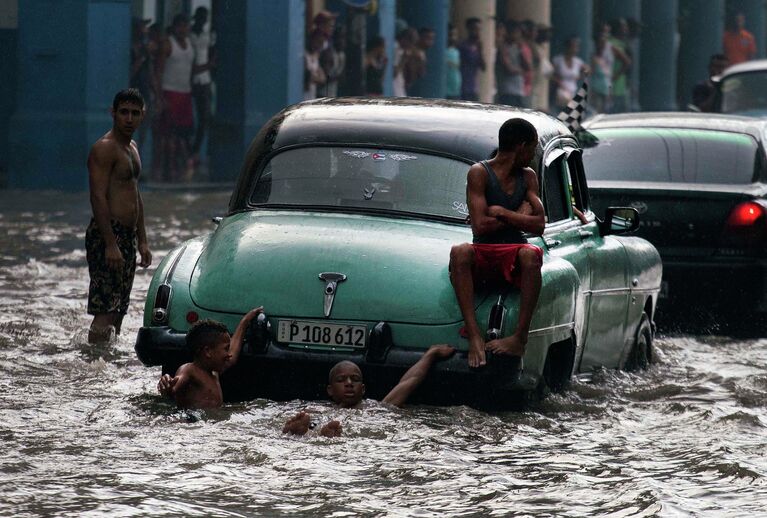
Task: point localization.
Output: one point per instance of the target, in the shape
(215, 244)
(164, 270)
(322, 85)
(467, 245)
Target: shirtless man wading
(116, 230)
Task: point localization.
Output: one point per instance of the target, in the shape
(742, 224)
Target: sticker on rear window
(399, 157)
(357, 154)
(461, 208)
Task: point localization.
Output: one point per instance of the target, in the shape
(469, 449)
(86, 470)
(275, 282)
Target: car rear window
(671, 155)
(366, 179)
(745, 93)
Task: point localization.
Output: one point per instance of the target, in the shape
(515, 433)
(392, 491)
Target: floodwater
(83, 433)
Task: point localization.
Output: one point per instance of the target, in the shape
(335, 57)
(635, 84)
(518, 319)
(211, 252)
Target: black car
(698, 182)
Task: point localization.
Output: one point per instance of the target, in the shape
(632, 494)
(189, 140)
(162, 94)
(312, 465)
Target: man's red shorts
(178, 113)
(495, 263)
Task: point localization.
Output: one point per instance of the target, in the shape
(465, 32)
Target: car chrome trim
(610, 291)
(546, 330)
(174, 262)
(331, 284)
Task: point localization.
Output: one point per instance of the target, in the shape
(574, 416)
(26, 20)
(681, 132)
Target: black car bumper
(728, 284)
(283, 373)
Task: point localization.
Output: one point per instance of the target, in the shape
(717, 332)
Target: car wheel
(640, 355)
(558, 369)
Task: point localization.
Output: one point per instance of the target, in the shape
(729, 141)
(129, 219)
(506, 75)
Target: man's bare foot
(332, 429)
(511, 345)
(298, 424)
(476, 352)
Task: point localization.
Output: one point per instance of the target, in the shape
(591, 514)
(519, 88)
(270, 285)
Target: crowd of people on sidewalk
(171, 67)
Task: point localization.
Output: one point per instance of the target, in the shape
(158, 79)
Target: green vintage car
(341, 225)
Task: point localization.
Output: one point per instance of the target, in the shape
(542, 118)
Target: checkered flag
(573, 114)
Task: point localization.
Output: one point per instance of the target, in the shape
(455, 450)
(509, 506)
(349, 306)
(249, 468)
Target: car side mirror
(620, 220)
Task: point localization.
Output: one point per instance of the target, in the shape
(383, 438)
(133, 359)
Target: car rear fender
(554, 316)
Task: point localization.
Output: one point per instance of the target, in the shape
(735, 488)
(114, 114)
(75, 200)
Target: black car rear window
(671, 155)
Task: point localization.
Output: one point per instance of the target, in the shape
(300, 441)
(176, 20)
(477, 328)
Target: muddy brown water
(82, 432)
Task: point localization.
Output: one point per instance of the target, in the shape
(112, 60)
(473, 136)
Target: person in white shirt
(203, 41)
(569, 69)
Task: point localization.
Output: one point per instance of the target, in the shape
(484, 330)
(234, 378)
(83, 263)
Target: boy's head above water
(209, 342)
(345, 384)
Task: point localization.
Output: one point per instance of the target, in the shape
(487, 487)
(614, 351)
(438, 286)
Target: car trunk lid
(396, 269)
(680, 219)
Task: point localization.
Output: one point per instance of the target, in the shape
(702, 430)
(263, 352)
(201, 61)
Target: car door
(605, 329)
(562, 234)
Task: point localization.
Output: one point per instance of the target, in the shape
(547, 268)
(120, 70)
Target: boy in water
(196, 384)
(346, 389)
(502, 195)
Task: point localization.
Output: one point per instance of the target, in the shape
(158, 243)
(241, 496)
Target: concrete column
(8, 67)
(539, 12)
(387, 15)
(260, 48)
(435, 15)
(756, 18)
(659, 47)
(701, 26)
(73, 58)
(572, 18)
(485, 10)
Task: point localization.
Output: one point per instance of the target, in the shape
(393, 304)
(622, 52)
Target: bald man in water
(346, 389)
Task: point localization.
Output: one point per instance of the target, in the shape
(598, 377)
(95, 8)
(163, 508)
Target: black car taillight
(746, 226)
(258, 335)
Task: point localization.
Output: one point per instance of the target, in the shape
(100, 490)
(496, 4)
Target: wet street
(83, 432)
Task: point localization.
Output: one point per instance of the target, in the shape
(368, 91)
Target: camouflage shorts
(109, 290)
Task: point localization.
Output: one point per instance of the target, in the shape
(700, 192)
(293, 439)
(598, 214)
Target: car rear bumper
(284, 373)
(735, 285)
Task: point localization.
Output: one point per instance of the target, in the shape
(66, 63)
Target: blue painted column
(659, 46)
(701, 26)
(434, 14)
(387, 15)
(756, 18)
(260, 49)
(72, 58)
(572, 18)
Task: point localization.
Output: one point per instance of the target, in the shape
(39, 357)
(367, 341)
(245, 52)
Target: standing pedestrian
(738, 43)
(472, 60)
(176, 64)
(116, 231)
(453, 62)
(203, 41)
(314, 76)
(600, 84)
(375, 66)
(621, 48)
(569, 69)
(511, 68)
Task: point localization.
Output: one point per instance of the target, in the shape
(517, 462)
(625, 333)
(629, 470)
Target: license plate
(318, 333)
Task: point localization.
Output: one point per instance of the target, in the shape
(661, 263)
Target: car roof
(757, 65)
(459, 128)
(682, 120)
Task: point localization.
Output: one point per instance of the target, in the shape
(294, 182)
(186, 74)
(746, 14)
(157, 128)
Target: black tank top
(497, 196)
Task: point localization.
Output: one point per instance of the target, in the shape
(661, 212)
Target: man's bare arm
(143, 244)
(100, 163)
(416, 374)
(235, 345)
(481, 221)
(533, 223)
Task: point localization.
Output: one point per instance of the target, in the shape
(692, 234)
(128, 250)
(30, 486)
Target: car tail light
(746, 226)
(192, 317)
(745, 215)
(161, 302)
